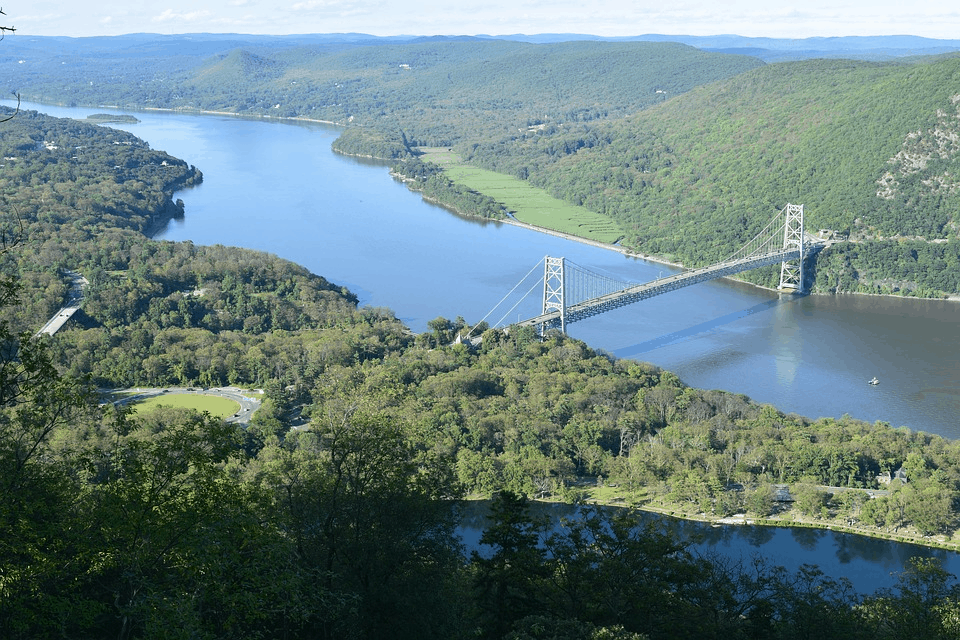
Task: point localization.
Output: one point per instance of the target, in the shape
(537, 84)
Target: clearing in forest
(216, 406)
(526, 202)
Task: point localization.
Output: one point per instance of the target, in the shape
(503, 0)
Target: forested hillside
(437, 92)
(81, 197)
(869, 149)
(690, 152)
(75, 194)
(173, 524)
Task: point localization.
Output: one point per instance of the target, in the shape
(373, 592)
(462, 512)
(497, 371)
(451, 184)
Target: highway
(74, 298)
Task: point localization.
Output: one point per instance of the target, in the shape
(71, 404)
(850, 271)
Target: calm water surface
(278, 187)
(869, 564)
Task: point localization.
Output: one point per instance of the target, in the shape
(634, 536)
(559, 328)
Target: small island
(114, 118)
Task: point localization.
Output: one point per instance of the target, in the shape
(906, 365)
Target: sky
(757, 18)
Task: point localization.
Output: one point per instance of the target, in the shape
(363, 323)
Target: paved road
(248, 404)
(74, 298)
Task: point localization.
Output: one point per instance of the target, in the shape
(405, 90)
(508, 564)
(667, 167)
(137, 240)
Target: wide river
(279, 188)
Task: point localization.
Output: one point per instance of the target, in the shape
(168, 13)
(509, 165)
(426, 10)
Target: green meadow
(214, 405)
(527, 203)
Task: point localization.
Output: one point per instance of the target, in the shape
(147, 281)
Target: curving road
(248, 405)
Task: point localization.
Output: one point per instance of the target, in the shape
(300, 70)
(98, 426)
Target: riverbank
(592, 243)
(646, 257)
(786, 518)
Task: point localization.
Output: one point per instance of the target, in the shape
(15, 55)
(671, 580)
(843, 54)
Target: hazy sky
(935, 19)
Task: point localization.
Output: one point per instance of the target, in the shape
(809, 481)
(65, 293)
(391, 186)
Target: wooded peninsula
(334, 513)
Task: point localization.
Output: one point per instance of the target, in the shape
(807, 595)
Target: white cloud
(189, 16)
(309, 5)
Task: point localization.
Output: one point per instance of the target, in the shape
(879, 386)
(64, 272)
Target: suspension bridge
(572, 293)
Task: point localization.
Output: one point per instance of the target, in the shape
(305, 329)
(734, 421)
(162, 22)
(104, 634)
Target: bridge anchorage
(572, 293)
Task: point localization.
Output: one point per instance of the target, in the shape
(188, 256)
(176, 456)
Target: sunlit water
(278, 187)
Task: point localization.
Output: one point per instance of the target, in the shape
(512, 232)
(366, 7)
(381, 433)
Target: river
(868, 563)
(279, 188)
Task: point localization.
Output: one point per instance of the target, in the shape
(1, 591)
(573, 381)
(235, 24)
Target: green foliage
(372, 142)
(688, 153)
(173, 524)
(436, 92)
(924, 604)
(759, 501)
(834, 135)
(436, 186)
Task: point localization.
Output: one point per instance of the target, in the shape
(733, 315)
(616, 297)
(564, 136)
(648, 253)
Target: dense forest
(334, 513)
(437, 92)
(869, 149)
(662, 137)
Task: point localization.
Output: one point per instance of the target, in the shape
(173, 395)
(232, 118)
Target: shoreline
(510, 219)
(665, 510)
(594, 243)
(741, 519)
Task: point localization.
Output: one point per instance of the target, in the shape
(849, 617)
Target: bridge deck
(637, 292)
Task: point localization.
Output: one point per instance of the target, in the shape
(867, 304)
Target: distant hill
(439, 91)
(687, 147)
(781, 49)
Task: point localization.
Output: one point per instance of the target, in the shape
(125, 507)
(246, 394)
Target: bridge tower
(791, 271)
(553, 290)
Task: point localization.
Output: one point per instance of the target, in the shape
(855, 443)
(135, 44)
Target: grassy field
(528, 203)
(214, 405)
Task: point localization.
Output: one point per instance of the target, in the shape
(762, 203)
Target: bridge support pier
(553, 290)
(791, 271)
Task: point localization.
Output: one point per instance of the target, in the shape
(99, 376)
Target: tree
(5, 30)
(38, 487)
(372, 522)
(923, 604)
(152, 497)
(809, 500)
(3, 33)
(509, 583)
(759, 501)
(812, 605)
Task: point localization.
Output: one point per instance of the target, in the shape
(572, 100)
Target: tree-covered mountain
(438, 91)
(173, 524)
(689, 151)
(869, 148)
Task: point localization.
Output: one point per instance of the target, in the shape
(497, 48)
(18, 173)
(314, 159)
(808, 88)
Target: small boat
(873, 381)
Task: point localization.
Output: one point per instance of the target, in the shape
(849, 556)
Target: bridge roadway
(637, 292)
(74, 298)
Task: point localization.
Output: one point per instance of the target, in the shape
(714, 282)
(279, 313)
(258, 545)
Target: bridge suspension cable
(572, 292)
(510, 293)
(584, 284)
(767, 241)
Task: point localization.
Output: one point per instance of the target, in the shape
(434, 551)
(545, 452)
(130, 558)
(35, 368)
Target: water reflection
(808, 539)
(869, 563)
(757, 536)
(786, 346)
(703, 327)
